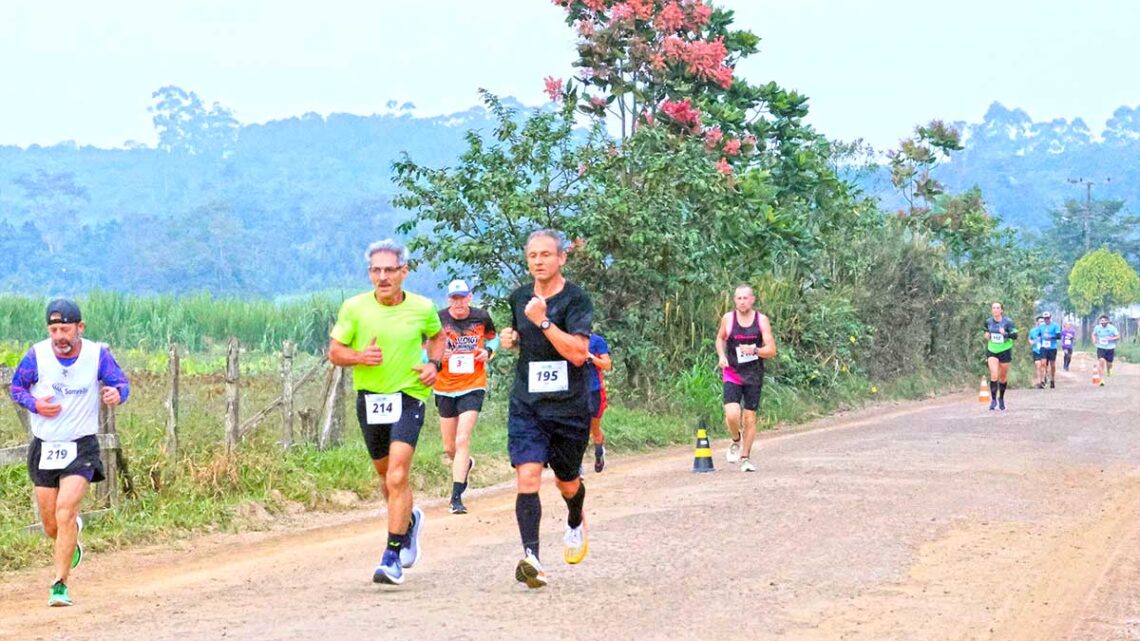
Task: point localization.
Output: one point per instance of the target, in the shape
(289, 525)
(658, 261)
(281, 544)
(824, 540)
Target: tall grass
(196, 321)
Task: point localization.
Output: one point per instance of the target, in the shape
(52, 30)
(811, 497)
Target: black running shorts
(378, 438)
(86, 464)
(453, 406)
(747, 396)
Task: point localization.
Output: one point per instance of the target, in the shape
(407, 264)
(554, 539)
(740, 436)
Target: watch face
(545, 324)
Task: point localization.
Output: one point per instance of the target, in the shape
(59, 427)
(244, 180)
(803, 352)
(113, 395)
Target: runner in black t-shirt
(549, 417)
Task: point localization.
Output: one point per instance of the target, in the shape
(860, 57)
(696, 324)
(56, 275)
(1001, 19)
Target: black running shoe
(599, 458)
(457, 506)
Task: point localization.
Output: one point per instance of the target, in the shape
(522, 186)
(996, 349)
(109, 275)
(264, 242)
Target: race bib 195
(383, 409)
(461, 364)
(548, 376)
(57, 456)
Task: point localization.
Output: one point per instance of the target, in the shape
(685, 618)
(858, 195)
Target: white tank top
(75, 387)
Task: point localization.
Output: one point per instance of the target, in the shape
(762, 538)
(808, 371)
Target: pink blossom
(724, 168)
(553, 88)
(713, 136)
(657, 62)
(585, 28)
(595, 5)
(683, 113)
(732, 147)
(671, 18)
(620, 12)
(581, 169)
(649, 118)
(642, 9)
(723, 77)
(705, 58)
(674, 48)
(598, 101)
(700, 13)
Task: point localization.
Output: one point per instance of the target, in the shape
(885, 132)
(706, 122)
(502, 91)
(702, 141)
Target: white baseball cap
(458, 288)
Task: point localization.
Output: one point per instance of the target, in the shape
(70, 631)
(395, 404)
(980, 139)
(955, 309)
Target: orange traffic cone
(984, 391)
(702, 460)
(1096, 376)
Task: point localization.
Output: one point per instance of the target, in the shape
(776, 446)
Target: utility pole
(1088, 203)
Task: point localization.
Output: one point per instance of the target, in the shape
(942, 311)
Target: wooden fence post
(172, 405)
(6, 375)
(232, 424)
(331, 400)
(108, 490)
(288, 350)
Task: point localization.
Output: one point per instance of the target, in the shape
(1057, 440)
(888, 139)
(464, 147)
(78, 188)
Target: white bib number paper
(383, 409)
(548, 376)
(742, 358)
(461, 364)
(57, 456)
(996, 337)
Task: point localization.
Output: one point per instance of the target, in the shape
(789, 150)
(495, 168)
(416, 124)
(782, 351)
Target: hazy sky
(84, 71)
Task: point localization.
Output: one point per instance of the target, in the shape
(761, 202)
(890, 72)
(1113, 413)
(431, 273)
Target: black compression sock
(457, 489)
(396, 541)
(993, 390)
(575, 503)
(528, 512)
(1001, 390)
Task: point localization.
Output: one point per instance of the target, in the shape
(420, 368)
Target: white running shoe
(733, 454)
(529, 571)
(747, 466)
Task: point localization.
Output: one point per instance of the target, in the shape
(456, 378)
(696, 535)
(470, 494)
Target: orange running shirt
(466, 336)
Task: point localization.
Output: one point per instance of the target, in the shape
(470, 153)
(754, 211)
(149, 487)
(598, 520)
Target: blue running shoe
(993, 404)
(389, 571)
(1001, 404)
(410, 553)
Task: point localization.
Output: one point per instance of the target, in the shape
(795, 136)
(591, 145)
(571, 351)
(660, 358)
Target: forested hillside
(286, 207)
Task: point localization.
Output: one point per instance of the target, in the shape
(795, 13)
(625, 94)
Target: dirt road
(936, 520)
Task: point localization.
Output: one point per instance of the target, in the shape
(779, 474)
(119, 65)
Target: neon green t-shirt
(399, 330)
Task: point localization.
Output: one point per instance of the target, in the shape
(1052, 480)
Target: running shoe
(390, 570)
(529, 571)
(1001, 404)
(457, 506)
(77, 555)
(59, 596)
(599, 458)
(747, 466)
(993, 404)
(410, 553)
(1102, 383)
(1052, 384)
(576, 542)
(733, 454)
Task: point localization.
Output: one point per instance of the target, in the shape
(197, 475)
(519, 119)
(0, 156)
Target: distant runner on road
(599, 360)
(1034, 340)
(1068, 338)
(1000, 333)
(380, 335)
(743, 341)
(1105, 335)
(462, 383)
(1050, 335)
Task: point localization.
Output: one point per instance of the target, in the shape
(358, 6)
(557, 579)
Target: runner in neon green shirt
(380, 335)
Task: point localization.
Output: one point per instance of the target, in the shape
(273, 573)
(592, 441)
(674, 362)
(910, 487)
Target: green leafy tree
(187, 126)
(56, 202)
(1101, 281)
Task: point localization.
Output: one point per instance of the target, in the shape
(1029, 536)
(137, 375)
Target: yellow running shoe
(577, 543)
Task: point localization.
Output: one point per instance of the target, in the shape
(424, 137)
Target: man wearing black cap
(62, 381)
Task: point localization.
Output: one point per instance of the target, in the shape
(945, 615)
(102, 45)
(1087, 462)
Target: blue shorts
(558, 440)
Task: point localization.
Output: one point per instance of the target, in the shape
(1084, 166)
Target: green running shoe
(59, 596)
(77, 555)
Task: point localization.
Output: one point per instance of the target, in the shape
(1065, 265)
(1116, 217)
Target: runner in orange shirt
(462, 383)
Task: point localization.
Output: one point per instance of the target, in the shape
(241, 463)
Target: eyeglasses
(384, 271)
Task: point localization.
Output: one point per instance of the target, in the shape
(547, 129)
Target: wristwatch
(438, 365)
(545, 324)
